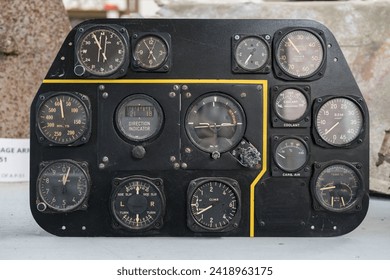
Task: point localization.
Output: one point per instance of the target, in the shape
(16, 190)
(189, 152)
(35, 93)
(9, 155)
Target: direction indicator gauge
(215, 123)
(252, 53)
(339, 121)
(64, 118)
(291, 154)
(214, 204)
(290, 105)
(300, 53)
(138, 203)
(101, 52)
(337, 187)
(63, 185)
(150, 52)
(139, 117)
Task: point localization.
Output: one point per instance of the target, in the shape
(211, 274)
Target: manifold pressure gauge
(213, 204)
(337, 187)
(101, 51)
(215, 123)
(64, 118)
(63, 185)
(138, 203)
(251, 53)
(139, 118)
(339, 121)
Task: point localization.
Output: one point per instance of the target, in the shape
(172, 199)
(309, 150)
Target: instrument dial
(291, 154)
(290, 105)
(215, 123)
(337, 187)
(300, 53)
(138, 204)
(101, 51)
(63, 185)
(339, 121)
(63, 118)
(139, 117)
(214, 205)
(251, 53)
(150, 52)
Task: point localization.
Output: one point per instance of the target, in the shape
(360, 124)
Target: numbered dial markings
(300, 54)
(339, 121)
(214, 205)
(63, 119)
(291, 154)
(139, 117)
(251, 53)
(137, 204)
(63, 185)
(290, 105)
(336, 188)
(215, 123)
(101, 52)
(150, 52)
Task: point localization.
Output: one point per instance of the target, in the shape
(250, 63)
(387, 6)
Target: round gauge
(101, 51)
(300, 53)
(251, 53)
(150, 52)
(139, 117)
(291, 154)
(137, 203)
(339, 121)
(290, 105)
(336, 187)
(214, 204)
(63, 118)
(63, 185)
(215, 123)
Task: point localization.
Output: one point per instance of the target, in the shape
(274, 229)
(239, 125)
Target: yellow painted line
(264, 83)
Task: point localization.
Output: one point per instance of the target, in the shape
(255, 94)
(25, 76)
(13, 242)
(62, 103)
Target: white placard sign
(14, 160)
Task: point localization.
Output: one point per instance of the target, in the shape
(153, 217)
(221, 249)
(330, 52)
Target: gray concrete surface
(22, 238)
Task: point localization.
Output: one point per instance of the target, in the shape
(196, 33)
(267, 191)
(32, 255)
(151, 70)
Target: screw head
(172, 158)
(101, 87)
(105, 159)
(267, 37)
(105, 95)
(102, 166)
(243, 95)
(176, 165)
(175, 87)
(172, 94)
(184, 87)
(188, 150)
(188, 94)
(184, 165)
(215, 155)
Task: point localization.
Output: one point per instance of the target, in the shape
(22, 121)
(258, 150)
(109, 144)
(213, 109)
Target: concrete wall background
(363, 32)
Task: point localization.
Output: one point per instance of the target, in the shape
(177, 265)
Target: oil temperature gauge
(337, 187)
(138, 203)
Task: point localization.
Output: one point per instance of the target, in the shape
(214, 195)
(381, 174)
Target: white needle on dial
(204, 210)
(294, 46)
(99, 46)
(247, 60)
(327, 188)
(336, 124)
(281, 156)
(62, 109)
(65, 177)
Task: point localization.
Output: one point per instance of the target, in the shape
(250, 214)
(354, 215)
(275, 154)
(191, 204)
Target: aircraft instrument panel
(159, 127)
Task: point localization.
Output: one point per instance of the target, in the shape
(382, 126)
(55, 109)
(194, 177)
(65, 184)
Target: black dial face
(336, 188)
(63, 119)
(300, 54)
(139, 117)
(214, 205)
(291, 154)
(290, 105)
(251, 53)
(339, 121)
(101, 51)
(63, 185)
(215, 123)
(137, 204)
(150, 52)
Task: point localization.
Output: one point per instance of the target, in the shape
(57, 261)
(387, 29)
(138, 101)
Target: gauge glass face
(214, 205)
(339, 121)
(215, 123)
(290, 105)
(300, 54)
(150, 52)
(251, 53)
(291, 154)
(137, 204)
(63, 185)
(63, 119)
(337, 187)
(101, 51)
(139, 117)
